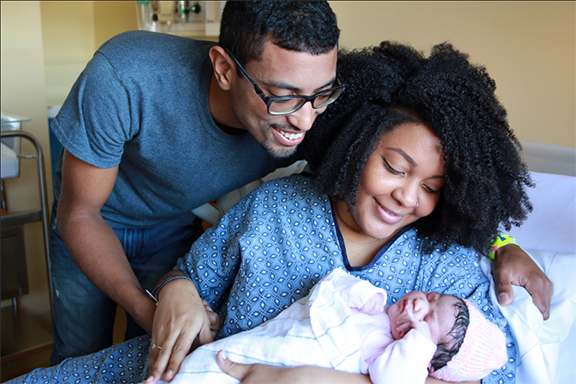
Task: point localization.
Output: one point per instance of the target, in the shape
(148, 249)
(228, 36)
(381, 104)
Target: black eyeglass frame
(268, 100)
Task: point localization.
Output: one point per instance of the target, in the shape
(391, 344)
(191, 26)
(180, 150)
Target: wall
(112, 18)
(23, 93)
(72, 31)
(528, 47)
(68, 38)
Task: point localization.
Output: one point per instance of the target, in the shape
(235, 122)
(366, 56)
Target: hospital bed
(546, 349)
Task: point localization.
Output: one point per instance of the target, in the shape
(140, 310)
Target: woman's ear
(222, 66)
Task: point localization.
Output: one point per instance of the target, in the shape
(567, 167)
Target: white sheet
(552, 224)
(547, 349)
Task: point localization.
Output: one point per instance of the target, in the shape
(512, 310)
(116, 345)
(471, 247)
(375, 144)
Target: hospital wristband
(499, 242)
(156, 292)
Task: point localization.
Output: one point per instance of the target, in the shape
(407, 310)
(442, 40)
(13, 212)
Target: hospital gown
(271, 248)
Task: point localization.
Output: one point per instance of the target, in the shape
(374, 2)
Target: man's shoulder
(150, 40)
(153, 46)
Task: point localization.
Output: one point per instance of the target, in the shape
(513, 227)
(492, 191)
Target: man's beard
(277, 152)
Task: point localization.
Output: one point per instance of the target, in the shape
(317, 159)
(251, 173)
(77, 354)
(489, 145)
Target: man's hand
(182, 321)
(513, 266)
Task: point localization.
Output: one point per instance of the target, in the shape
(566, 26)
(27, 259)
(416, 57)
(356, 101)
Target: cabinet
(21, 334)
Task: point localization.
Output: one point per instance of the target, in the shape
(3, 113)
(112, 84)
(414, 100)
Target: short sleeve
(95, 120)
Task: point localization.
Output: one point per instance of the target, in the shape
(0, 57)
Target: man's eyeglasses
(285, 105)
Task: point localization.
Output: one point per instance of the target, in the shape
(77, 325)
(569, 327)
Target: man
(155, 126)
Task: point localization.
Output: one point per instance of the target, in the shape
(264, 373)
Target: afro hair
(391, 84)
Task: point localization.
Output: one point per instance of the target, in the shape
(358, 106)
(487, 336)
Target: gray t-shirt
(142, 103)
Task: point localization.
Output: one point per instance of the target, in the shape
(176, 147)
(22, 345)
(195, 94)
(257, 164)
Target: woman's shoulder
(293, 187)
(291, 196)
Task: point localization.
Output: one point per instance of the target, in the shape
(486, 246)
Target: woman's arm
(262, 373)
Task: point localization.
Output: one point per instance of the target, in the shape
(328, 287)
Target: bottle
(144, 14)
(182, 10)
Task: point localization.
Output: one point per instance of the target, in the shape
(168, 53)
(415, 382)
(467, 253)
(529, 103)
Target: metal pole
(43, 203)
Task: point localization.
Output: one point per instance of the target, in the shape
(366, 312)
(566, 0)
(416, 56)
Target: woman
(419, 174)
(415, 170)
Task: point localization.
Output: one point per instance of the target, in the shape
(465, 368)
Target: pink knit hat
(483, 350)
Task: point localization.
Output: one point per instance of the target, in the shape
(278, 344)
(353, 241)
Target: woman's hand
(514, 266)
(182, 320)
(262, 373)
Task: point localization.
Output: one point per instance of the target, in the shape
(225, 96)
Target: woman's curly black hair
(391, 84)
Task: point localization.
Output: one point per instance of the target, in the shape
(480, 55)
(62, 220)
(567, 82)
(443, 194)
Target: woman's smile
(387, 215)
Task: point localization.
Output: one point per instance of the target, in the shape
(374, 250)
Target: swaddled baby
(344, 323)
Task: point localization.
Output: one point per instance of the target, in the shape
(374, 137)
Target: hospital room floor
(41, 358)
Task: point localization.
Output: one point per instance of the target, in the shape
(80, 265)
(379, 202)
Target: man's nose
(304, 117)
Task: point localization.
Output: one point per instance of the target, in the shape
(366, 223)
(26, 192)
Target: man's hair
(303, 26)
(392, 84)
(449, 347)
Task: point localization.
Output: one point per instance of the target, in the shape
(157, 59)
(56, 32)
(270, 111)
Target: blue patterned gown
(267, 252)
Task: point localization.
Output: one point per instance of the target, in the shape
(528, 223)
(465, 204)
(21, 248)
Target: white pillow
(552, 224)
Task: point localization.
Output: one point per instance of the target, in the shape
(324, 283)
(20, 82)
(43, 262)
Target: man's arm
(94, 246)
(182, 321)
(513, 266)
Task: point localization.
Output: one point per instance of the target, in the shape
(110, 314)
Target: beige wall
(528, 47)
(68, 38)
(112, 18)
(23, 93)
(72, 31)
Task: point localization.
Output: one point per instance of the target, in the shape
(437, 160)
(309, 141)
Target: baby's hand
(373, 306)
(419, 325)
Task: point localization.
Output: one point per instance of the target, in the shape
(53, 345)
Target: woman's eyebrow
(403, 154)
(411, 160)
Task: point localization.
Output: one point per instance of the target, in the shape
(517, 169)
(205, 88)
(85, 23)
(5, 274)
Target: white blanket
(329, 340)
(546, 350)
(320, 330)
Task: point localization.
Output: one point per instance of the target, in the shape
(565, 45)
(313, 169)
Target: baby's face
(434, 308)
